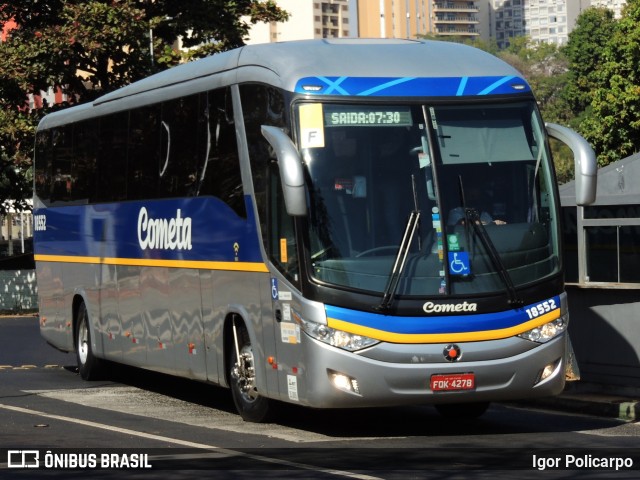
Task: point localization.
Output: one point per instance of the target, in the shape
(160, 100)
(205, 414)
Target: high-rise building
(307, 19)
(540, 20)
(615, 5)
(507, 21)
(393, 19)
(411, 18)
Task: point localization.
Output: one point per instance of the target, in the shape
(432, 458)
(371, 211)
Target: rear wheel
(242, 376)
(88, 364)
(463, 411)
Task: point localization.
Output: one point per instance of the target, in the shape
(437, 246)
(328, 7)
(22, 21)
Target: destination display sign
(366, 116)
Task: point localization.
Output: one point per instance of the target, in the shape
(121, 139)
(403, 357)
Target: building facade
(308, 19)
(508, 21)
(413, 18)
(500, 20)
(551, 21)
(548, 21)
(615, 5)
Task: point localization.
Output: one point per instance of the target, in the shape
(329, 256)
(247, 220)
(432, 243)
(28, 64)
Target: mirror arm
(291, 170)
(584, 157)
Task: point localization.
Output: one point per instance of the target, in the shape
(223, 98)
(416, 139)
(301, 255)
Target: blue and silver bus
(331, 223)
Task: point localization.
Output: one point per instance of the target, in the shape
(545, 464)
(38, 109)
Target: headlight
(333, 337)
(548, 331)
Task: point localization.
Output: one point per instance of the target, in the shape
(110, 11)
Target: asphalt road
(185, 429)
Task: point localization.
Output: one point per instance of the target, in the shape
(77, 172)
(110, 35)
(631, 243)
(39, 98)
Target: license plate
(456, 381)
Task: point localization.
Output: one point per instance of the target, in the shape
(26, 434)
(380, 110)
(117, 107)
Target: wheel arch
(240, 315)
(80, 297)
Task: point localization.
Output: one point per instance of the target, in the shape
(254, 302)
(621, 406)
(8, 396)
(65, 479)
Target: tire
(462, 411)
(250, 405)
(88, 363)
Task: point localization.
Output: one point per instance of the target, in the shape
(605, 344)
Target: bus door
(282, 248)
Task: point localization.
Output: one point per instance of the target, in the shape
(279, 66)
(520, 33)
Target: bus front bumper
(392, 374)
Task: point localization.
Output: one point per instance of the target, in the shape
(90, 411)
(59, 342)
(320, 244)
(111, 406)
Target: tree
(613, 127)
(16, 137)
(585, 51)
(90, 47)
(545, 68)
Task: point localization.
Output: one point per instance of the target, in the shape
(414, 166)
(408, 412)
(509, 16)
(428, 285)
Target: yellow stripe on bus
(393, 337)
(153, 262)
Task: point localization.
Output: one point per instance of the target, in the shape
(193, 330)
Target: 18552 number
(541, 308)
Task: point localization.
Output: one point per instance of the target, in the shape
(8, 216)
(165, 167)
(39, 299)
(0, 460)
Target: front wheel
(88, 363)
(462, 411)
(251, 406)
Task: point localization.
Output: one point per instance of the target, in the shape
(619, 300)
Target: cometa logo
(163, 233)
(431, 307)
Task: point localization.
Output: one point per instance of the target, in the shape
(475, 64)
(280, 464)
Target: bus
(277, 219)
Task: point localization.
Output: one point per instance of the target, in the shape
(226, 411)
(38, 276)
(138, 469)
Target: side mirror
(585, 162)
(291, 171)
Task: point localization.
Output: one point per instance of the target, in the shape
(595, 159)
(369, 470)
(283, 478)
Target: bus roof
(324, 63)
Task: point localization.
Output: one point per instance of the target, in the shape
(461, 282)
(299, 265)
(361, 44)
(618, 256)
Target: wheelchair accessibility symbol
(459, 263)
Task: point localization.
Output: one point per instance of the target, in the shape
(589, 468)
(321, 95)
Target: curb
(597, 400)
(622, 408)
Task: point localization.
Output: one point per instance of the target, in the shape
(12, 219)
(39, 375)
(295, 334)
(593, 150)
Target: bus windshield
(449, 199)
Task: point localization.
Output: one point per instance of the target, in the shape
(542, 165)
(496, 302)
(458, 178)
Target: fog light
(343, 382)
(548, 371)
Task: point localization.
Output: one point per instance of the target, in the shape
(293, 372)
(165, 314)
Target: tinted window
(85, 160)
(261, 105)
(62, 143)
(180, 148)
(220, 175)
(181, 136)
(143, 153)
(112, 158)
(44, 165)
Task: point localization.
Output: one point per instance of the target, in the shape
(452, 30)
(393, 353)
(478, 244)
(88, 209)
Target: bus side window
(85, 160)
(177, 166)
(143, 153)
(218, 171)
(112, 157)
(43, 171)
(263, 105)
(282, 241)
(62, 140)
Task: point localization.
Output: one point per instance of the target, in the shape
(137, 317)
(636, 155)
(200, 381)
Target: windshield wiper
(413, 223)
(472, 217)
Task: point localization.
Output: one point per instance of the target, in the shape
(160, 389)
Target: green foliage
(90, 47)
(87, 48)
(605, 59)
(585, 52)
(17, 128)
(545, 68)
